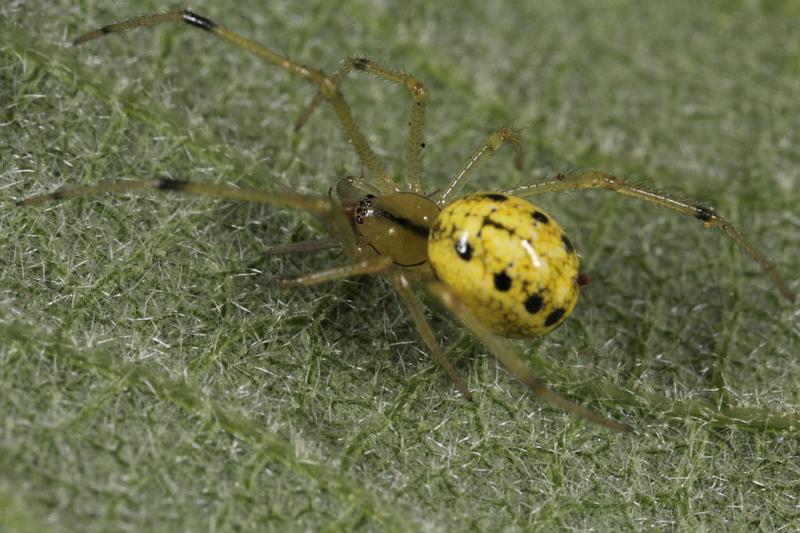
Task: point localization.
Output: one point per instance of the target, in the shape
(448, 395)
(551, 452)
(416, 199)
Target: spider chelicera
(500, 264)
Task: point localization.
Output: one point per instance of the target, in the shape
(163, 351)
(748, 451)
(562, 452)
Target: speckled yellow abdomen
(508, 261)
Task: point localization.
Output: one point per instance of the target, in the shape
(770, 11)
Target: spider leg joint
(706, 214)
(359, 63)
(610, 182)
(197, 20)
(419, 90)
(171, 184)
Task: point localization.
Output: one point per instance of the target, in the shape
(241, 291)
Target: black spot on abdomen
(540, 217)
(533, 304)
(464, 249)
(502, 282)
(496, 197)
(567, 244)
(554, 316)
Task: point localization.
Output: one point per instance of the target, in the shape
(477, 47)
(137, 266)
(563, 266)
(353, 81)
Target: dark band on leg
(169, 184)
(196, 20)
(704, 213)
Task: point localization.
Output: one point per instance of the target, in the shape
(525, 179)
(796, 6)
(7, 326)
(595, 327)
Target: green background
(153, 378)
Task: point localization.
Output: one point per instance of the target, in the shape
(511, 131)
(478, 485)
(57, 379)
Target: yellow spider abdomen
(508, 261)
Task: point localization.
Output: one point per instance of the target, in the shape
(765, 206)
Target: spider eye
(359, 220)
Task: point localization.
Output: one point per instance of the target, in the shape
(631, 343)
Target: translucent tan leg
(416, 122)
(495, 141)
(327, 85)
(312, 245)
(318, 205)
(424, 329)
(372, 265)
(597, 180)
(513, 363)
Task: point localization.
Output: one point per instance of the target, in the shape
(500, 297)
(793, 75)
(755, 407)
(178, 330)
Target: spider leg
(513, 363)
(416, 122)
(371, 265)
(318, 205)
(424, 329)
(311, 245)
(495, 141)
(328, 86)
(710, 219)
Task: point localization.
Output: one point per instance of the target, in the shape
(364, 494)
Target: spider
(498, 263)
